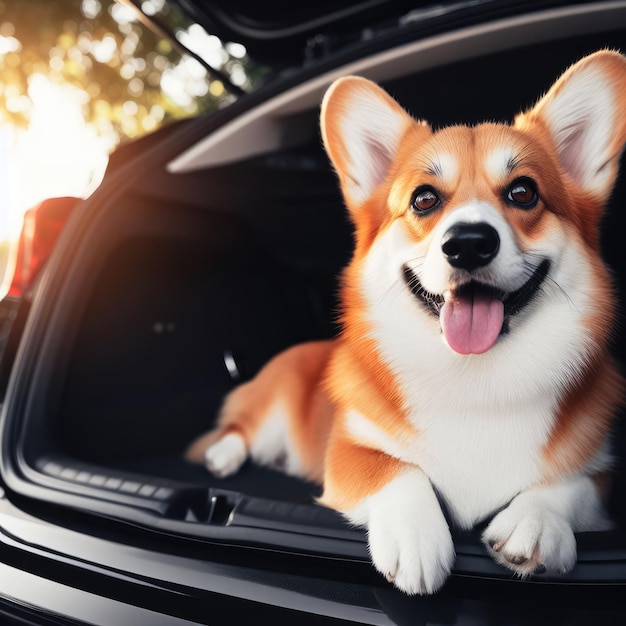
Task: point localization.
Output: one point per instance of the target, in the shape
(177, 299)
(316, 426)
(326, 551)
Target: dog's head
(479, 223)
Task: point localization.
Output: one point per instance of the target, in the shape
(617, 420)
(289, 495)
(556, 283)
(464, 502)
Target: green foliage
(133, 80)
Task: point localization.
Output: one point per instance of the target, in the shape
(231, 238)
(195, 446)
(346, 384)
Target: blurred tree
(133, 80)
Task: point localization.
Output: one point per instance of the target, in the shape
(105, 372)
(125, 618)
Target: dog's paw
(226, 455)
(409, 540)
(531, 540)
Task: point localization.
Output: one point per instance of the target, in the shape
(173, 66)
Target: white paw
(409, 539)
(226, 455)
(531, 539)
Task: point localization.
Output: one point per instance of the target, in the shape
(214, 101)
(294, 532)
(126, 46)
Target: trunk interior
(169, 310)
(192, 273)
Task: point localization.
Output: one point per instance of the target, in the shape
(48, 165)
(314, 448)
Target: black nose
(469, 246)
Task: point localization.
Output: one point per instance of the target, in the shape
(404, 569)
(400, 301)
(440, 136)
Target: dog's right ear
(584, 113)
(362, 127)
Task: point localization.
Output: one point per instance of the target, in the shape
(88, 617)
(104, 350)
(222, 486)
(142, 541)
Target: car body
(209, 247)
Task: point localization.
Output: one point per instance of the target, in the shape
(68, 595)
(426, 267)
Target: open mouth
(474, 315)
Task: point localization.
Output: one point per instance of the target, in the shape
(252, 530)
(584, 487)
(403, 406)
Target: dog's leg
(248, 425)
(409, 539)
(535, 532)
(223, 451)
(408, 536)
(280, 418)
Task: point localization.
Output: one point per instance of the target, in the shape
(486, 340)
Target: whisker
(549, 281)
(433, 302)
(562, 291)
(413, 264)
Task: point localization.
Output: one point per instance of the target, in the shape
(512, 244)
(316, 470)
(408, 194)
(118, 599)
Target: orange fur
(353, 472)
(321, 383)
(584, 419)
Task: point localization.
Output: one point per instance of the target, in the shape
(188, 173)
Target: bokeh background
(77, 77)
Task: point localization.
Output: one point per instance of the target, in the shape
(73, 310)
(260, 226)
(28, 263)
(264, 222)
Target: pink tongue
(471, 325)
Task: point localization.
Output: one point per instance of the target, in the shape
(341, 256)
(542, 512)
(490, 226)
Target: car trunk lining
(147, 371)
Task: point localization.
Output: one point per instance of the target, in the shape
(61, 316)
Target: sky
(58, 154)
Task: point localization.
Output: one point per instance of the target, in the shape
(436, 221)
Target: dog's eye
(523, 193)
(425, 198)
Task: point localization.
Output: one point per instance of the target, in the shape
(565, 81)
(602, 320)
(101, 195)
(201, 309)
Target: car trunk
(186, 302)
(187, 284)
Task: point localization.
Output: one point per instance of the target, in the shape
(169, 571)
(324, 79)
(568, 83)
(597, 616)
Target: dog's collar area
(513, 302)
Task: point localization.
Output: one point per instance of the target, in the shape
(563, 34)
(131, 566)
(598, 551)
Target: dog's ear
(585, 115)
(362, 127)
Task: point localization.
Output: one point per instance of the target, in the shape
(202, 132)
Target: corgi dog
(472, 380)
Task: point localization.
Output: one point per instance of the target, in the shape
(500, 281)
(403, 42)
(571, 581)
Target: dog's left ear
(585, 115)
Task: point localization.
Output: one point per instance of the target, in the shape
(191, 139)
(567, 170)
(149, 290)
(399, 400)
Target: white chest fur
(476, 461)
(479, 462)
(483, 420)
